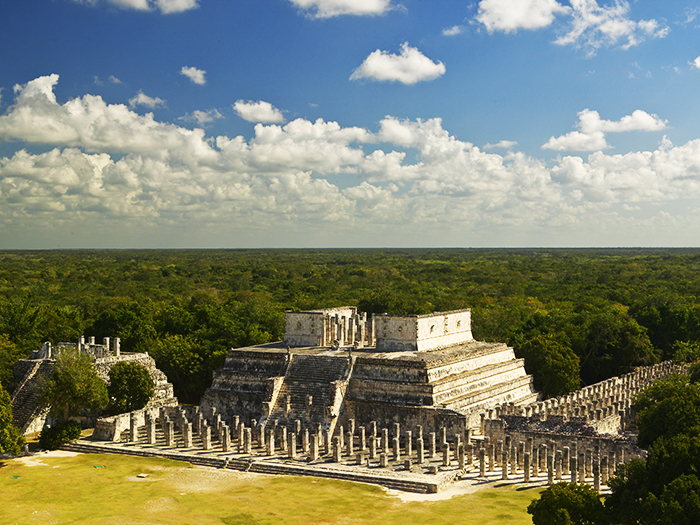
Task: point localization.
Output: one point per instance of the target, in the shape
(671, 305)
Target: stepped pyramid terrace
(337, 365)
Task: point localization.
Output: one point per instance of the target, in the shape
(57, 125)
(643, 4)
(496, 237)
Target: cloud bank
(108, 170)
(409, 67)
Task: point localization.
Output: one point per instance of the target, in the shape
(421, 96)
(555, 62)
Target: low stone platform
(394, 476)
(450, 479)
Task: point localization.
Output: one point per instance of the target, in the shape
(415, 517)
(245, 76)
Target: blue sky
(334, 123)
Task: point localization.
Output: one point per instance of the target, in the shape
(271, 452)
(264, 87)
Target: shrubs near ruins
(130, 387)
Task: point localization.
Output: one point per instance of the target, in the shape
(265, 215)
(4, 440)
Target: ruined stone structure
(30, 417)
(407, 402)
(335, 365)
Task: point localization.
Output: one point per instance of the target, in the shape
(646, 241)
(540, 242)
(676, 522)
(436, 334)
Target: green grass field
(72, 490)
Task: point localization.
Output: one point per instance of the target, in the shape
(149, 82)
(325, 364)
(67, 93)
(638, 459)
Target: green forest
(577, 316)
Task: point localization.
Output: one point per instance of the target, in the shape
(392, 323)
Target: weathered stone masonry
(30, 417)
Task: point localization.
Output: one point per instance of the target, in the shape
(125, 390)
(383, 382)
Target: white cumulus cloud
(409, 67)
(510, 15)
(259, 111)
(142, 99)
(194, 74)
(452, 31)
(594, 26)
(696, 62)
(592, 130)
(202, 117)
(164, 6)
(584, 24)
(331, 8)
(505, 144)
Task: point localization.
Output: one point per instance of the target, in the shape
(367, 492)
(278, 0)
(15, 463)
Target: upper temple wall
(312, 328)
(422, 332)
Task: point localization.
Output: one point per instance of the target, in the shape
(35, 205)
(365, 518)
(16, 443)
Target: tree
(73, 386)
(686, 351)
(130, 387)
(555, 366)
(615, 344)
(669, 407)
(10, 440)
(567, 504)
(9, 354)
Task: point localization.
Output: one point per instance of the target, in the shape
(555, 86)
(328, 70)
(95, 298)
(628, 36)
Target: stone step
(262, 467)
(490, 394)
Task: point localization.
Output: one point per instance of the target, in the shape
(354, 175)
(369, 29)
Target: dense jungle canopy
(577, 316)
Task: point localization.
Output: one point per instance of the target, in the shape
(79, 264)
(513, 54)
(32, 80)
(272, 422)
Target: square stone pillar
(328, 443)
(460, 456)
(363, 440)
(409, 443)
(241, 437)
(421, 451)
(225, 437)
(383, 461)
(526, 467)
(169, 433)
(350, 444)
(513, 460)
(151, 431)
(283, 439)
(305, 441)
(396, 448)
(206, 438)
(604, 470)
(433, 451)
(292, 446)
(558, 466)
(248, 441)
(492, 458)
(573, 468)
(336, 449)
(313, 454)
(550, 469)
(187, 435)
(271, 443)
(385, 441)
(504, 465)
(373, 447)
(482, 462)
(133, 429)
(565, 460)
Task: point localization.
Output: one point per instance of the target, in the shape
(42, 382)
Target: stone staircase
(313, 390)
(25, 399)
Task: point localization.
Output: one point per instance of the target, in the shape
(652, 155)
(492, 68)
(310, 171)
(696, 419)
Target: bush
(567, 504)
(130, 387)
(53, 437)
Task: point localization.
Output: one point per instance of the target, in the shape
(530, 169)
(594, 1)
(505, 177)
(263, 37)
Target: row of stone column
(534, 460)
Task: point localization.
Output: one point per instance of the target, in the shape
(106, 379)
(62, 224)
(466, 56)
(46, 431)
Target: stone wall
(31, 418)
(397, 333)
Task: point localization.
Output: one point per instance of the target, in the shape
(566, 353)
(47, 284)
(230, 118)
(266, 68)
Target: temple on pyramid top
(344, 326)
(337, 366)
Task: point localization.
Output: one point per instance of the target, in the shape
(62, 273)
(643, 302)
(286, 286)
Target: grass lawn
(72, 490)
